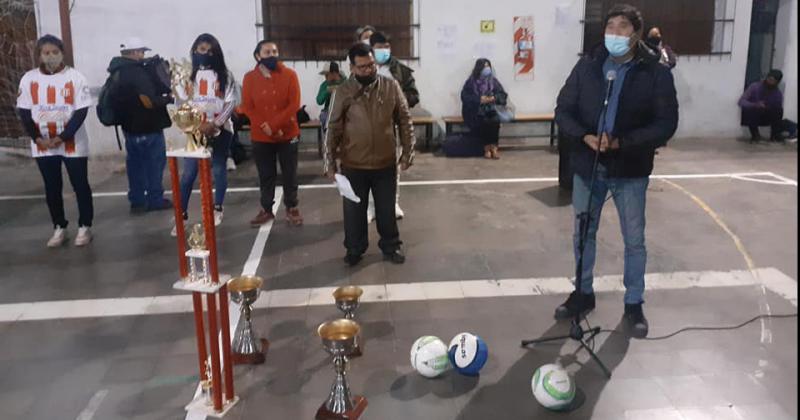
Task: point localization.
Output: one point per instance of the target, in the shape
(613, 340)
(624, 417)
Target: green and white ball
(429, 356)
(553, 387)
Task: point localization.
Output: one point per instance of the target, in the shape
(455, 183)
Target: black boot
(636, 322)
(396, 257)
(575, 303)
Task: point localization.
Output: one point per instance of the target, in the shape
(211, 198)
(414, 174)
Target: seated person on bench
(480, 96)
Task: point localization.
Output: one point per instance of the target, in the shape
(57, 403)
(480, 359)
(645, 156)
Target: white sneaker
(370, 213)
(230, 164)
(398, 212)
(217, 217)
(58, 238)
(174, 232)
(84, 236)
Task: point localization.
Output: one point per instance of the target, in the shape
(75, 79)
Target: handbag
(488, 112)
(302, 115)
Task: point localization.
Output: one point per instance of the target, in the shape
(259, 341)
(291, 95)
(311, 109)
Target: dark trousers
(265, 156)
(145, 165)
(77, 170)
(754, 118)
(383, 184)
(488, 132)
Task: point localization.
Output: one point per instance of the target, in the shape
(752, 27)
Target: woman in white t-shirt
(52, 103)
(212, 90)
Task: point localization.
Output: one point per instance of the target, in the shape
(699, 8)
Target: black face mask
(270, 62)
(367, 80)
(201, 60)
(654, 40)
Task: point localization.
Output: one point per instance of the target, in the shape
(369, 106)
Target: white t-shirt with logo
(208, 97)
(52, 99)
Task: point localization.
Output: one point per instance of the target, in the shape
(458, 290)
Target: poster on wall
(523, 47)
(447, 35)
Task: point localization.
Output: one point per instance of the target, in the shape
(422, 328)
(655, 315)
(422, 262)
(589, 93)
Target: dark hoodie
(647, 114)
(137, 116)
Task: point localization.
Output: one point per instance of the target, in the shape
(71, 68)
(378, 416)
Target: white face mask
(365, 41)
(53, 61)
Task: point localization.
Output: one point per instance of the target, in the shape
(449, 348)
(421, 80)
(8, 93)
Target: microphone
(610, 77)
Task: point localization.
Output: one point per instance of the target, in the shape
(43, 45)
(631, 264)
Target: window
(17, 43)
(690, 27)
(322, 30)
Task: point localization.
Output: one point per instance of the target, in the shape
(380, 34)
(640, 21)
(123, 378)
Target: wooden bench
(315, 124)
(428, 122)
(449, 122)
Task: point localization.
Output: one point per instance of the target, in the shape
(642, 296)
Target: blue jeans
(145, 166)
(219, 155)
(629, 198)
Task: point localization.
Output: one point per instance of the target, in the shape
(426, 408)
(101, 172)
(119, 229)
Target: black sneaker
(165, 204)
(138, 209)
(352, 259)
(636, 322)
(583, 304)
(395, 257)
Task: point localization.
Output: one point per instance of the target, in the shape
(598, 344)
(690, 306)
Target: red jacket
(274, 100)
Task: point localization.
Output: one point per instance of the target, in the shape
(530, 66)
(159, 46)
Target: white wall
(785, 57)
(708, 87)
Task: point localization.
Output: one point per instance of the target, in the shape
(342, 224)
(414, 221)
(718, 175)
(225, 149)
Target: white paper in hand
(345, 189)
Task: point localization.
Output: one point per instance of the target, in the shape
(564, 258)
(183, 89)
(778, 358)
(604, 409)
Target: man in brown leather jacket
(363, 113)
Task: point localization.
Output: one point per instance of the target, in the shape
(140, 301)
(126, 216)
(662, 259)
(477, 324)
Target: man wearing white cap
(141, 104)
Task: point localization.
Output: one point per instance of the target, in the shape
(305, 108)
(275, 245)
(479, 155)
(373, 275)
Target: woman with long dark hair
(52, 103)
(212, 91)
(481, 95)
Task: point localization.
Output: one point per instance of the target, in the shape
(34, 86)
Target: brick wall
(17, 43)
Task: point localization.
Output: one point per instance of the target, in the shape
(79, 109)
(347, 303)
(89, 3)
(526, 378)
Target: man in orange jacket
(270, 99)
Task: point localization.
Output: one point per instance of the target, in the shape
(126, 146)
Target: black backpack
(158, 70)
(106, 113)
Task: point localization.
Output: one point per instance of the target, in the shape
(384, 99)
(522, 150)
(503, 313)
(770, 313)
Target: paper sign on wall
(523, 47)
(446, 39)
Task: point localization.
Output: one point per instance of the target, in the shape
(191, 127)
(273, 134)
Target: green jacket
(405, 77)
(323, 96)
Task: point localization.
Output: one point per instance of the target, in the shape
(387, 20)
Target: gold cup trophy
(187, 118)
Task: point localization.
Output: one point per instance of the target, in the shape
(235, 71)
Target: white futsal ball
(553, 387)
(429, 356)
(468, 353)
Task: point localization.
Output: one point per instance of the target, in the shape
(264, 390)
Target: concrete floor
(144, 366)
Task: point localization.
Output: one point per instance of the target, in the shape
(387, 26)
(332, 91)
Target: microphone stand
(576, 331)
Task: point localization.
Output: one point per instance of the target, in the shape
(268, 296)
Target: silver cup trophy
(246, 348)
(346, 298)
(339, 338)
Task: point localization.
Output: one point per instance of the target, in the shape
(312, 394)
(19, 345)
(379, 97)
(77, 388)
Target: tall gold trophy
(185, 117)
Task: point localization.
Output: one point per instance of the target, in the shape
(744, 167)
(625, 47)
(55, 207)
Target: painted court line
(773, 279)
(93, 406)
(742, 176)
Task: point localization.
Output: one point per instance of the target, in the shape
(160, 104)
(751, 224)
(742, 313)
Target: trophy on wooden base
(246, 348)
(339, 338)
(346, 298)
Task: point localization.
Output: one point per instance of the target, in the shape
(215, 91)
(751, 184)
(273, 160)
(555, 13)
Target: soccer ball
(468, 353)
(429, 356)
(553, 387)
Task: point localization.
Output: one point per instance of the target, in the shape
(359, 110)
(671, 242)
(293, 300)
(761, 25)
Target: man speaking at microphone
(618, 105)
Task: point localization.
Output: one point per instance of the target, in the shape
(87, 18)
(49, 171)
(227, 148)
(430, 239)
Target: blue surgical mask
(618, 45)
(382, 55)
(486, 72)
